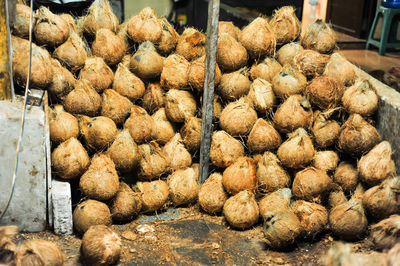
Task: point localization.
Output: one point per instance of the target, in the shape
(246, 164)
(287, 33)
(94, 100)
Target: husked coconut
(191, 133)
(39, 252)
(336, 197)
(326, 160)
(122, 32)
(98, 132)
(275, 202)
(183, 186)
(63, 125)
(169, 37)
(263, 137)
(311, 184)
(128, 84)
(90, 213)
(310, 62)
(229, 28)
(266, 69)
(313, 217)
(324, 131)
(176, 154)
(21, 21)
(97, 73)
(100, 17)
(139, 124)
(239, 176)
(287, 52)
(319, 37)
(115, 106)
(83, 100)
(163, 130)
(70, 22)
(154, 195)
(324, 92)
(285, 25)
(72, 53)
(270, 174)
(289, 81)
(234, 85)
(232, 58)
(224, 149)
(238, 118)
(8, 247)
(341, 70)
(152, 163)
(241, 210)
(261, 95)
(146, 62)
(145, 26)
(63, 81)
(191, 44)
(126, 204)
(174, 74)
(393, 255)
(386, 233)
(346, 175)
(109, 46)
(153, 98)
(196, 74)
(50, 29)
(179, 105)
(212, 195)
(361, 98)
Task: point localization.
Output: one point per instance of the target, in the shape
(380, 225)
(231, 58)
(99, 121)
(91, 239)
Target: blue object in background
(391, 3)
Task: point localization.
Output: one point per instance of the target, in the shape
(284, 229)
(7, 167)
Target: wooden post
(208, 95)
(5, 77)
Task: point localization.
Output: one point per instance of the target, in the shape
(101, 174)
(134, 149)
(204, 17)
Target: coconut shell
(212, 195)
(153, 98)
(83, 100)
(261, 95)
(72, 53)
(90, 213)
(183, 186)
(386, 233)
(288, 81)
(287, 52)
(98, 132)
(70, 22)
(115, 106)
(191, 134)
(263, 137)
(169, 37)
(100, 17)
(324, 92)
(361, 98)
(50, 29)
(69, 160)
(326, 160)
(128, 84)
(319, 37)
(313, 217)
(266, 69)
(126, 204)
(191, 44)
(310, 62)
(139, 124)
(341, 70)
(346, 175)
(174, 74)
(241, 210)
(311, 184)
(146, 62)
(145, 27)
(239, 176)
(224, 149)
(39, 252)
(297, 151)
(238, 118)
(63, 81)
(124, 152)
(270, 174)
(179, 105)
(21, 21)
(293, 113)
(196, 74)
(100, 181)
(231, 55)
(285, 25)
(109, 46)
(176, 154)
(97, 73)
(258, 38)
(62, 125)
(163, 130)
(100, 246)
(325, 132)
(152, 163)
(275, 202)
(229, 28)
(357, 136)
(154, 195)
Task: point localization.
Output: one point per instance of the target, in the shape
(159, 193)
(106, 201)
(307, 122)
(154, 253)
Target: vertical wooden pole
(208, 95)
(5, 77)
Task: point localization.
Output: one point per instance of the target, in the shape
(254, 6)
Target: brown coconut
(311, 184)
(50, 29)
(241, 211)
(98, 132)
(179, 105)
(100, 246)
(174, 74)
(239, 176)
(128, 84)
(341, 70)
(393, 256)
(62, 125)
(100, 17)
(115, 106)
(293, 113)
(154, 195)
(163, 130)
(169, 37)
(270, 174)
(69, 160)
(234, 85)
(217, 107)
(124, 152)
(297, 151)
(357, 136)
(258, 38)
(183, 186)
(72, 53)
(326, 160)
(7, 246)
(39, 252)
(176, 154)
(22, 20)
(109, 46)
(285, 25)
(126, 204)
(383, 200)
(313, 217)
(90, 213)
(196, 74)
(224, 149)
(287, 52)
(70, 21)
(275, 202)
(324, 92)
(212, 195)
(310, 62)
(63, 81)
(263, 137)
(100, 181)
(238, 118)
(266, 69)
(153, 98)
(361, 98)
(191, 134)
(122, 32)
(229, 28)
(231, 55)
(319, 37)
(152, 163)
(191, 44)
(145, 26)
(146, 62)
(83, 100)
(325, 132)
(386, 233)
(346, 176)
(97, 73)
(139, 124)
(288, 81)
(261, 95)
(336, 197)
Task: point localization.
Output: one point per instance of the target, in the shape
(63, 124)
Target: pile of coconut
(294, 146)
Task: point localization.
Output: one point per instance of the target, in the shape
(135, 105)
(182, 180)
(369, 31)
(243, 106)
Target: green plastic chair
(389, 30)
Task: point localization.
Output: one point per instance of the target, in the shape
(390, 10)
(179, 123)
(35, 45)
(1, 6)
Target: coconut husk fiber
(72, 53)
(287, 52)
(128, 84)
(325, 132)
(122, 32)
(69, 160)
(145, 26)
(341, 70)
(238, 118)
(288, 81)
(241, 210)
(234, 85)
(174, 74)
(270, 174)
(115, 106)
(224, 149)
(7, 246)
(346, 176)
(70, 22)
(191, 44)
(326, 160)
(361, 98)
(21, 21)
(212, 195)
(336, 197)
(97, 73)
(386, 233)
(183, 186)
(176, 154)
(89, 213)
(313, 217)
(154, 195)
(62, 125)
(39, 252)
(310, 62)
(179, 105)
(240, 175)
(261, 95)
(266, 69)
(146, 62)
(263, 137)
(100, 181)
(196, 74)
(50, 29)
(324, 92)
(109, 46)
(124, 152)
(319, 37)
(63, 81)
(275, 202)
(285, 25)
(126, 205)
(169, 37)
(191, 134)
(98, 132)
(152, 162)
(139, 124)
(229, 28)
(393, 255)
(100, 17)
(231, 55)
(258, 38)
(153, 98)
(163, 130)
(83, 100)
(311, 184)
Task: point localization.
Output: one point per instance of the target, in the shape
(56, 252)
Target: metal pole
(5, 77)
(208, 94)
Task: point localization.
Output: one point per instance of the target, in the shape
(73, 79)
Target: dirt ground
(186, 236)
